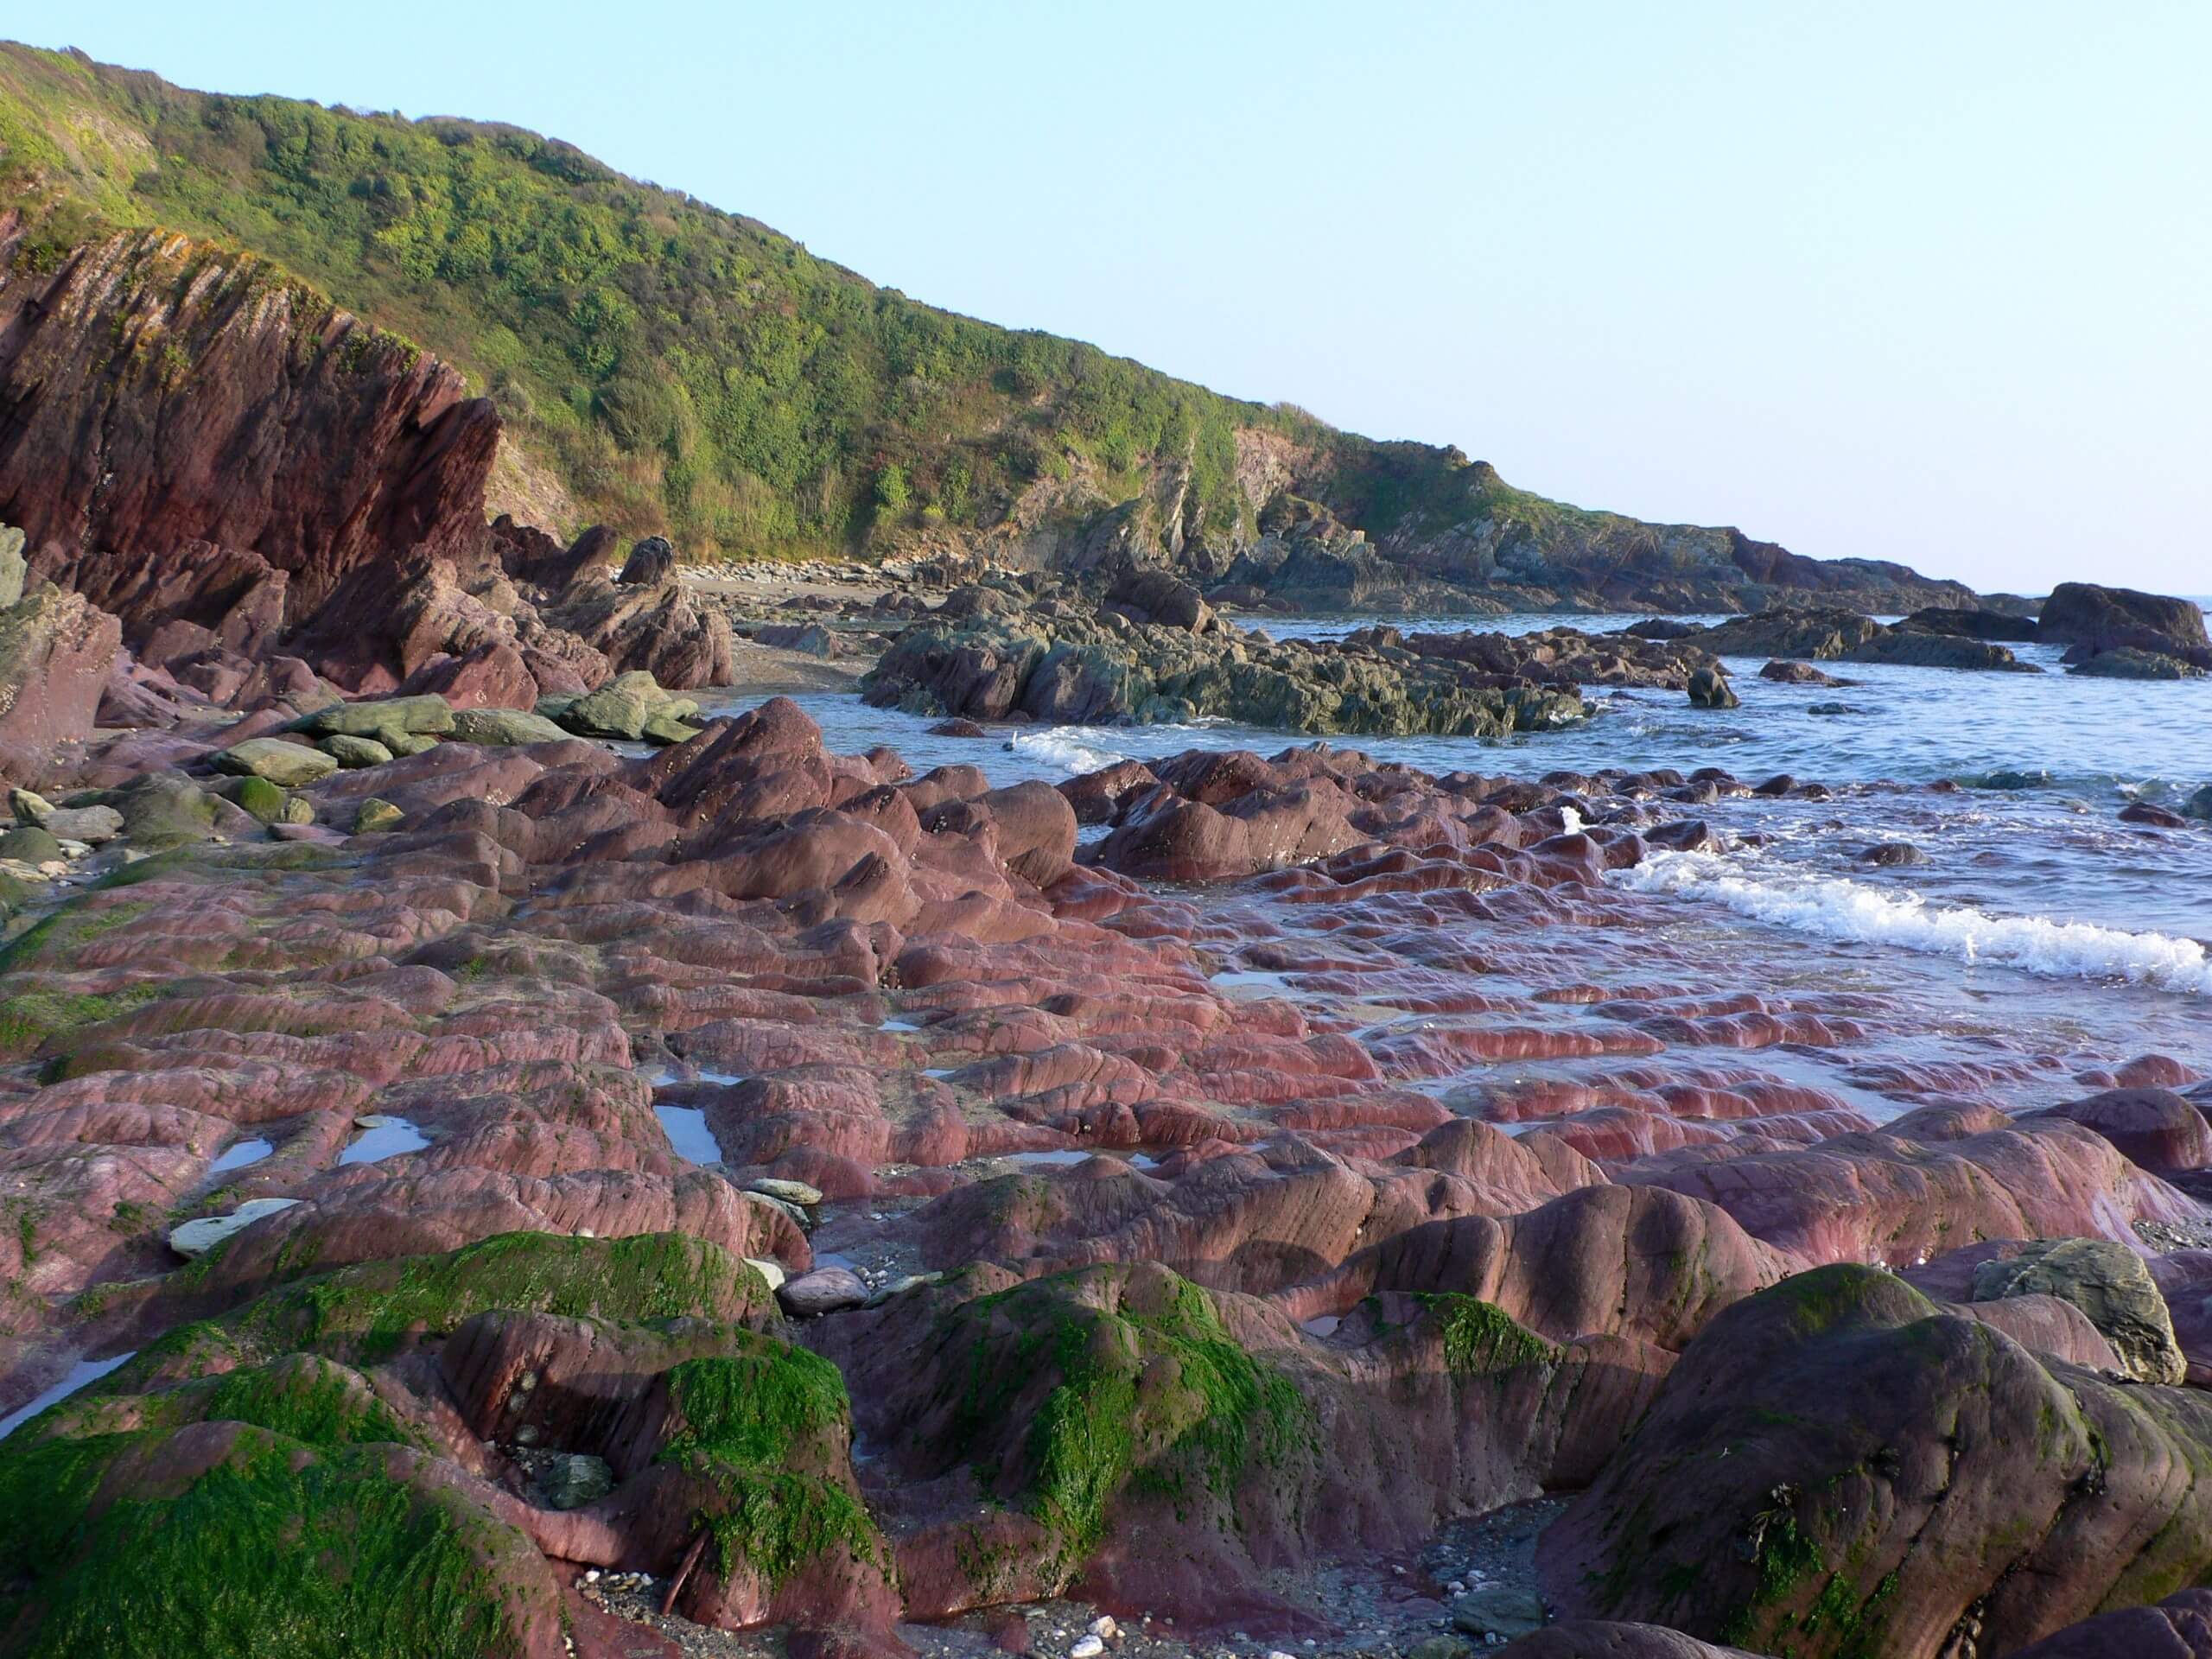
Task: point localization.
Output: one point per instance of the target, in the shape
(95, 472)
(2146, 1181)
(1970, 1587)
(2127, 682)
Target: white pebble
(1088, 1647)
(1104, 1628)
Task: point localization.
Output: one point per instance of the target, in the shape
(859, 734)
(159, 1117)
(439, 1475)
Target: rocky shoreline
(1047, 1218)
(601, 1175)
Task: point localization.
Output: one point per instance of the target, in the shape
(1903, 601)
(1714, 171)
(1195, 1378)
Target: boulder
(825, 1290)
(260, 798)
(427, 714)
(655, 628)
(621, 709)
(288, 765)
(1908, 647)
(1838, 1467)
(29, 843)
(1819, 632)
(163, 809)
(2156, 1127)
(2180, 1627)
(1709, 688)
(373, 815)
(2151, 815)
(1499, 1612)
(498, 726)
(2099, 619)
(1786, 673)
(2109, 1283)
(351, 753)
(651, 562)
(15, 569)
(1996, 626)
(57, 652)
(569, 1480)
(1890, 855)
(665, 728)
(95, 825)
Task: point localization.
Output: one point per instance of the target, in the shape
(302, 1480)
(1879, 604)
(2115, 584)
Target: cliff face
(217, 457)
(184, 433)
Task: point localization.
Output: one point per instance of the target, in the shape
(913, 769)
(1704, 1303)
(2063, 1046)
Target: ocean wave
(1834, 908)
(1073, 749)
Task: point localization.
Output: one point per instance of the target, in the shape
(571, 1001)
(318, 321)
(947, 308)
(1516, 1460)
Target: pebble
(1088, 1647)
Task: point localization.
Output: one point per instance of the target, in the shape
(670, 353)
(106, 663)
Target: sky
(1931, 283)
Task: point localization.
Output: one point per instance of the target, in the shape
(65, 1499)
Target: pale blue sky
(1931, 282)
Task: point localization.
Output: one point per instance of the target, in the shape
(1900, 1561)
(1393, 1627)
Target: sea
(2036, 919)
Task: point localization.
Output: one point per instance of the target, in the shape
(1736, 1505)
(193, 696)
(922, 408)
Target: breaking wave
(1835, 908)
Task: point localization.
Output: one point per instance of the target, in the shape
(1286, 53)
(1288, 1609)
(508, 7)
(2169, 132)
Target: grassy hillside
(679, 369)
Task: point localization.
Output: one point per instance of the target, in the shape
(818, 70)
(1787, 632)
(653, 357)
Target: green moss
(752, 1422)
(30, 1019)
(370, 1311)
(1480, 1337)
(309, 1399)
(1155, 1394)
(1783, 1555)
(73, 925)
(271, 1553)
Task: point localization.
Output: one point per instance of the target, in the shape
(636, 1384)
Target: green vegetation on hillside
(680, 369)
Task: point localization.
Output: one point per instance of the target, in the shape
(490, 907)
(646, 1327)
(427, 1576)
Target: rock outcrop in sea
(1153, 650)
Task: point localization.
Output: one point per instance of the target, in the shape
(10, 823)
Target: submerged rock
(2128, 663)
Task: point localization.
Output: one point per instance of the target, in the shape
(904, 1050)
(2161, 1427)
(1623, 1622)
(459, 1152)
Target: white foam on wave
(1071, 748)
(1834, 908)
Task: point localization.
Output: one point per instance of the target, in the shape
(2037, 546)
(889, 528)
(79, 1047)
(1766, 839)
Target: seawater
(2029, 882)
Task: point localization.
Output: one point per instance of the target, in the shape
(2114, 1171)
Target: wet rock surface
(841, 1206)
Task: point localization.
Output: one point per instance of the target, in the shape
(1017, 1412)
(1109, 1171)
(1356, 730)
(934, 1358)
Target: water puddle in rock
(898, 1025)
(663, 1077)
(82, 1374)
(383, 1137)
(1244, 983)
(1324, 1326)
(240, 1155)
(687, 1131)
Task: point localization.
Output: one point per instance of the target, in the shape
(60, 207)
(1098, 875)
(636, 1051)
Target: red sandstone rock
(56, 654)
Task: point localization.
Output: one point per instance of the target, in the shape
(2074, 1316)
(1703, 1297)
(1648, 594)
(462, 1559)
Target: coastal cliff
(665, 368)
